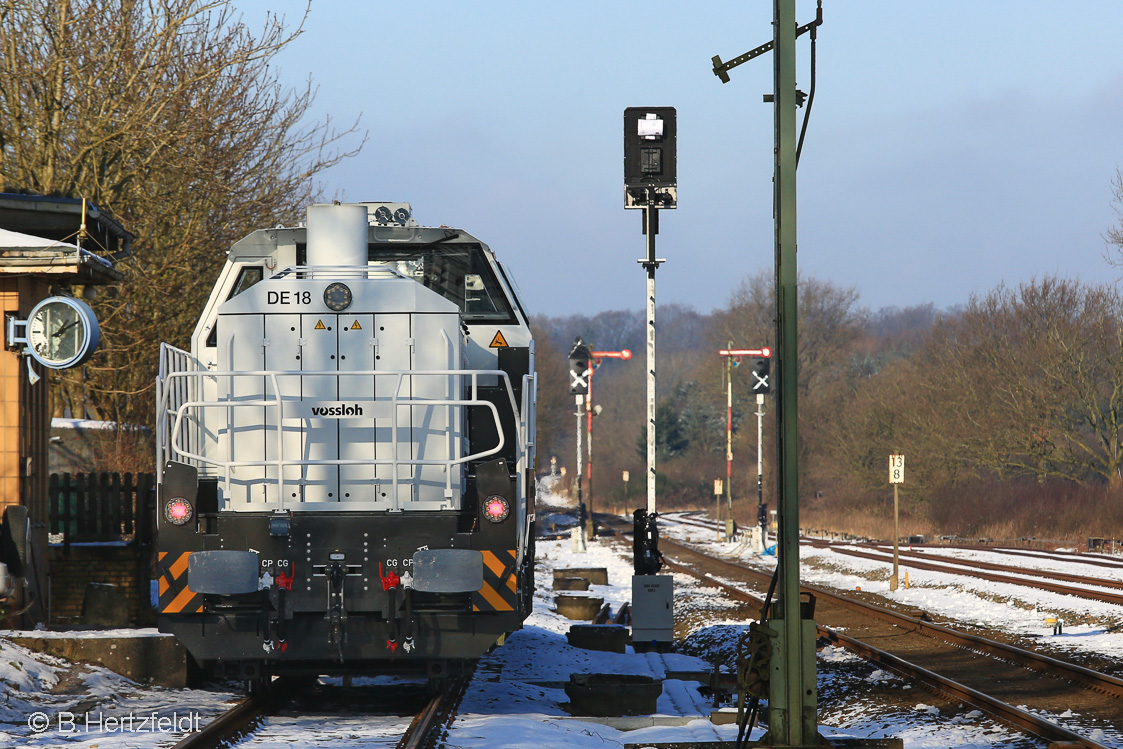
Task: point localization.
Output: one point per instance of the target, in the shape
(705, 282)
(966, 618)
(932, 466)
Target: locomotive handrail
(305, 272)
(527, 430)
(171, 442)
(172, 359)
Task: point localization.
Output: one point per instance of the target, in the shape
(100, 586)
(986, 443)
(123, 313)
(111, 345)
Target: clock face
(337, 297)
(61, 332)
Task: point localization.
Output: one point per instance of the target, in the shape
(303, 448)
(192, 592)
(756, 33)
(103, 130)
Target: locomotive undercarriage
(336, 595)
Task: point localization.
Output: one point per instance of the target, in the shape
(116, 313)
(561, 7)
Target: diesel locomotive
(346, 454)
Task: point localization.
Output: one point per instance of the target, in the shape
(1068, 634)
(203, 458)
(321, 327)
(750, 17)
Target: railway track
(979, 569)
(1033, 578)
(993, 676)
(1075, 558)
(1054, 672)
(1066, 556)
(291, 712)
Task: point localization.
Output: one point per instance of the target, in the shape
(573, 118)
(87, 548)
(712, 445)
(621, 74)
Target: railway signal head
(579, 368)
(760, 376)
(650, 173)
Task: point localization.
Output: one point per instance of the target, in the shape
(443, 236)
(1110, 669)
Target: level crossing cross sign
(579, 381)
(760, 376)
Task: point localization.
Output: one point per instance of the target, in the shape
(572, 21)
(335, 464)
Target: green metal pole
(792, 703)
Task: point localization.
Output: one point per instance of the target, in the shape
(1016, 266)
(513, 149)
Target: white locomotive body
(346, 453)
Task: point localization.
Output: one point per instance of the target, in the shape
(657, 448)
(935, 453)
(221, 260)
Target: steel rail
(1095, 595)
(1003, 711)
(427, 726)
(424, 732)
(1067, 556)
(225, 729)
(1080, 557)
(1086, 677)
(1102, 582)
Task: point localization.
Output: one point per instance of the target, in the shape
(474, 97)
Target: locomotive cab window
(247, 277)
(458, 272)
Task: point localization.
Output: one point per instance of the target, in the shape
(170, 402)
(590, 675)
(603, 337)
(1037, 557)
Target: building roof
(38, 234)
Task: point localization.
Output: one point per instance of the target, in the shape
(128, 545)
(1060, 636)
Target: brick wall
(74, 567)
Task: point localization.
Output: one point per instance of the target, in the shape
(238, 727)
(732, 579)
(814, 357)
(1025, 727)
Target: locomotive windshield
(458, 272)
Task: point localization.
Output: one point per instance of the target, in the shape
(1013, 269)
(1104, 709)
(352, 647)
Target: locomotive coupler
(337, 614)
(276, 608)
(390, 584)
(407, 593)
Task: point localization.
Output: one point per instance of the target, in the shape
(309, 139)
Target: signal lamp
(177, 511)
(579, 367)
(496, 509)
(762, 368)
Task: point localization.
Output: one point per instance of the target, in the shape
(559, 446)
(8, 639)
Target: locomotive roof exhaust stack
(337, 234)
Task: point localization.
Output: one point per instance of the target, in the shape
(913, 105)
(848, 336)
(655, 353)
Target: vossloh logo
(337, 411)
(330, 410)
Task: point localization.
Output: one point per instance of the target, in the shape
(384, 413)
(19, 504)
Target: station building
(48, 245)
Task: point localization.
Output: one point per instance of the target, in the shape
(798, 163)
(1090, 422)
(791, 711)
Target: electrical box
(653, 613)
(650, 157)
(756, 539)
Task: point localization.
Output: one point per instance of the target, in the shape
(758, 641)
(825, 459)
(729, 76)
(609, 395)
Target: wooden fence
(101, 507)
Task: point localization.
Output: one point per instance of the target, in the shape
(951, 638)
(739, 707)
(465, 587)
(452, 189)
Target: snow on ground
(1091, 627)
(50, 702)
(1027, 561)
(517, 698)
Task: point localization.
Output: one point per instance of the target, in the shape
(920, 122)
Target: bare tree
(1114, 236)
(1024, 382)
(830, 322)
(555, 404)
(170, 115)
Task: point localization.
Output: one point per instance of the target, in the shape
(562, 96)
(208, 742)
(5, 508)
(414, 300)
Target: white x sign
(761, 382)
(578, 380)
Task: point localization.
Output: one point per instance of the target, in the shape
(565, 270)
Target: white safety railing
(170, 395)
(180, 405)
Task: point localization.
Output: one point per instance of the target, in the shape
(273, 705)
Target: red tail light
(177, 511)
(496, 509)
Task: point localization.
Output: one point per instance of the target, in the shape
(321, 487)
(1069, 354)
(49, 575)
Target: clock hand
(64, 328)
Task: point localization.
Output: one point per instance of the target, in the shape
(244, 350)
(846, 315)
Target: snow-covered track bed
(1033, 578)
(1057, 555)
(380, 713)
(1039, 694)
(946, 686)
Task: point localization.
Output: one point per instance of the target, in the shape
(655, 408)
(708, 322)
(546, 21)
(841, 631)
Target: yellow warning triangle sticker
(498, 341)
(320, 325)
(356, 326)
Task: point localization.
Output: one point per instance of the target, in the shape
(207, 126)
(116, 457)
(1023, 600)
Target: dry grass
(1054, 510)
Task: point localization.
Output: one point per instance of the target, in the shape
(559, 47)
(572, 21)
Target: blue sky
(952, 146)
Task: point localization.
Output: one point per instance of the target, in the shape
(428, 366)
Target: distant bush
(1022, 508)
